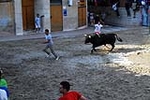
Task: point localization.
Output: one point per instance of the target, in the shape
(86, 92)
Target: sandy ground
(123, 74)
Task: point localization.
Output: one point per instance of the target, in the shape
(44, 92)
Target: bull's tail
(118, 38)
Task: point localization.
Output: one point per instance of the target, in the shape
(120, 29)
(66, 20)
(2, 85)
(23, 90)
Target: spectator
(38, 23)
(67, 94)
(103, 16)
(97, 19)
(128, 5)
(3, 95)
(144, 10)
(3, 83)
(135, 7)
(115, 6)
(92, 21)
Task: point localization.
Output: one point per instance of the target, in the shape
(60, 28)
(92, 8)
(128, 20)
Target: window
(55, 2)
(5, 1)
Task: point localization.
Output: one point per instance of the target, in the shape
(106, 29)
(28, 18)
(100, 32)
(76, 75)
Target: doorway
(82, 13)
(28, 14)
(56, 15)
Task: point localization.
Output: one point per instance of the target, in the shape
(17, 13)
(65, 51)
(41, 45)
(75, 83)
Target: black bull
(103, 39)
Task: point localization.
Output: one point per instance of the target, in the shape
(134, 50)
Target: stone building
(17, 16)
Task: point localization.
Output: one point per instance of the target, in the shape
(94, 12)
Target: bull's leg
(106, 46)
(93, 49)
(112, 47)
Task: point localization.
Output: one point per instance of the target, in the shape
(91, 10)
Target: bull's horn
(89, 36)
(85, 34)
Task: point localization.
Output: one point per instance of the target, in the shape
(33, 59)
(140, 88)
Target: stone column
(43, 8)
(18, 17)
(70, 20)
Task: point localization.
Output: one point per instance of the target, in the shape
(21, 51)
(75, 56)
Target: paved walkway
(105, 29)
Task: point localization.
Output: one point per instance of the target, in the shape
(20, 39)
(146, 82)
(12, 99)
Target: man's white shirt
(98, 28)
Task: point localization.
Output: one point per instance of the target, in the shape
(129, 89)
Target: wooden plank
(84, 16)
(30, 17)
(81, 16)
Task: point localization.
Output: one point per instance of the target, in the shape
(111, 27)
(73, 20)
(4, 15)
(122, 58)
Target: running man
(49, 44)
(67, 94)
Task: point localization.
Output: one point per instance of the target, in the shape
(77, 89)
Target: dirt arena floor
(123, 74)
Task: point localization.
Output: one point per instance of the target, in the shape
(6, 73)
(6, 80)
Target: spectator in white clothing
(38, 23)
(97, 29)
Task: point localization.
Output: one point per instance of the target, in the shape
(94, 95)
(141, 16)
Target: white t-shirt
(37, 22)
(3, 95)
(98, 28)
(49, 37)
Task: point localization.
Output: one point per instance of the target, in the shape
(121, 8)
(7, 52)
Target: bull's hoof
(95, 50)
(91, 51)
